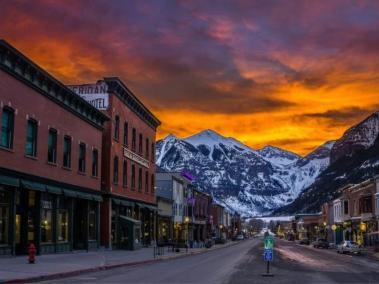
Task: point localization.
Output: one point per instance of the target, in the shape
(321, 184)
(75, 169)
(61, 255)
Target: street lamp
(186, 221)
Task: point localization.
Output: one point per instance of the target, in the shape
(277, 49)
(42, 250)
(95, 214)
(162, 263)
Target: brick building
(50, 158)
(129, 209)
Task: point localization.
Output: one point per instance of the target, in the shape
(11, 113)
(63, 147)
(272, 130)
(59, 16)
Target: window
(133, 185)
(366, 204)
(146, 182)
(4, 217)
(139, 179)
(140, 144)
(82, 157)
(62, 225)
(115, 170)
(67, 152)
(152, 183)
(125, 174)
(7, 128)
(147, 148)
(46, 219)
(117, 127)
(31, 138)
(126, 129)
(52, 146)
(134, 139)
(152, 152)
(92, 228)
(346, 207)
(95, 159)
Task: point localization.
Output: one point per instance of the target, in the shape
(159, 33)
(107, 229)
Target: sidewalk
(52, 266)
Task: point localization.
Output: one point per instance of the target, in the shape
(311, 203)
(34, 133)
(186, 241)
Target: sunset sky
(292, 74)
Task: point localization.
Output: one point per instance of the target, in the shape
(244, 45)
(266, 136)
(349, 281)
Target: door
(80, 225)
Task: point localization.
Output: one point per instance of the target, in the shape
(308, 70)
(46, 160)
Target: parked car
(239, 237)
(305, 242)
(349, 247)
(321, 243)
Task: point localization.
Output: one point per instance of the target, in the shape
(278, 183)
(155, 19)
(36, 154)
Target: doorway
(80, 228)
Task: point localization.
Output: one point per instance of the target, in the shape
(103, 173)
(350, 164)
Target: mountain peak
(277, 155)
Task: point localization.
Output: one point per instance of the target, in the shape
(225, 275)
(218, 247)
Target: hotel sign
(136, 158)
(96, 94)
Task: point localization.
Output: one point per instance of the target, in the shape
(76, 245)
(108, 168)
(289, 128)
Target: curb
(67, 274)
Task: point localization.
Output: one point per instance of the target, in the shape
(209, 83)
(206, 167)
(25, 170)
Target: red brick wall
(114, 147)
(28, 103)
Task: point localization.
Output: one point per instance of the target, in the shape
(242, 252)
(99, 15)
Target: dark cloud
(341, 116)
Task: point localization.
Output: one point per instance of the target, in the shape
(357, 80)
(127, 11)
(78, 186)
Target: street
(243, 263)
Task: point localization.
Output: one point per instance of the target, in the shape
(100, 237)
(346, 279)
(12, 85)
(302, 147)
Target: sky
(291, 74)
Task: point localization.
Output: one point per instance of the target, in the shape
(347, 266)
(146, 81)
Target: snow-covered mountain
(248, 181)
(354, 158)
(359, 137)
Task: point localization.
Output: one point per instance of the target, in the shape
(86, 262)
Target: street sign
(269, 242)
(268, 255)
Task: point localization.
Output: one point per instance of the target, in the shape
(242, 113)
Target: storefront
(132, 224)
(39, 213)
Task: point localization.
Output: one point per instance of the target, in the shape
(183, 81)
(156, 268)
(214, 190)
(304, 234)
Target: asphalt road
(294, 263)
(211, 267)
(243, 263)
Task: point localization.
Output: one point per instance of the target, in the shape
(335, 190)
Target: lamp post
(186, 221)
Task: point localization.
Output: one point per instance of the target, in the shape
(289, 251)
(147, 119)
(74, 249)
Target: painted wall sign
(136, 158)
(96, 94)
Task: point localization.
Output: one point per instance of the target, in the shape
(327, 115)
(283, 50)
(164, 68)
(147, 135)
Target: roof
(117, 87)
(25, 70)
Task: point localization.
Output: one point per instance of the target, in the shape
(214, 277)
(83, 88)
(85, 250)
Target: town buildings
(50, 161)
(129, 210)
(356, 213)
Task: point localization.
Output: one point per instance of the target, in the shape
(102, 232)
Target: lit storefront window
(62, 226)
(46, 219)
(92, 221)
(4, 217)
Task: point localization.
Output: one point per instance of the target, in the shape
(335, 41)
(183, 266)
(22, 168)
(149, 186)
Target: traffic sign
(268, 255)
(269, 242)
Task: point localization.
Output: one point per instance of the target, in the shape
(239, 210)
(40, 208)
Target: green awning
(6, 180)
(53, 189)
(97, 198)
(83, 195)
(69, 193)
(33, 185)
(122, 202)
(128, 219)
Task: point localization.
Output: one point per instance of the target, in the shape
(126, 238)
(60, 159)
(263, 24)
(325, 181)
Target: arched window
(7, 128)
(152, 184)
(146, 182)
(117, 127)
(139, 179)
(133, 185)
(126, 129)
(115, 170)
(125, 174)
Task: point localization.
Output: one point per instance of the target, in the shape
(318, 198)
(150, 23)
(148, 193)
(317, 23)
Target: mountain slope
(354, 158)
(250, 182)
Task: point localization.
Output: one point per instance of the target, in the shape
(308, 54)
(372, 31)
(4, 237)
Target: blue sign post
(268, 254)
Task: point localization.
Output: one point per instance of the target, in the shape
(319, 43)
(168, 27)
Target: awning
(69, 193)
(53, 189)
(122, 202)
(149, 207)
(97, 198)
(83, 195)
(6, 180)
(33, 185)
(128, 219)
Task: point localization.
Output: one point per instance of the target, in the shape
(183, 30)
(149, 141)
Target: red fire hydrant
(32, 251)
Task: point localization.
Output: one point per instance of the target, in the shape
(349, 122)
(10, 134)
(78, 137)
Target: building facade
(129, 210)
(50, 161)
(355, 213)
